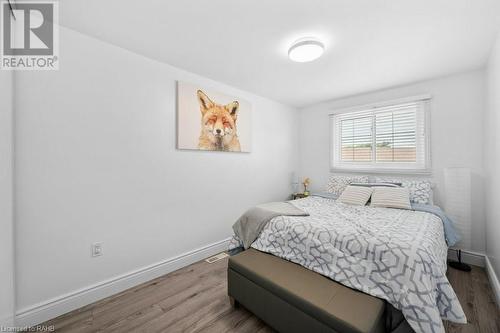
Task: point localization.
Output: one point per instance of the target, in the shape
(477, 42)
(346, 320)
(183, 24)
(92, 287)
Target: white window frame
(379, 167)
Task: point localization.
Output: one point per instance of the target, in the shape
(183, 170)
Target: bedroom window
(392, 137)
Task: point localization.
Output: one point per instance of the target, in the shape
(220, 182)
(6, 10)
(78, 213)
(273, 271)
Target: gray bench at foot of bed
(291, 298)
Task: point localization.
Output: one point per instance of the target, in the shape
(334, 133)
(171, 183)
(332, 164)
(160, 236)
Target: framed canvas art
(211, 120)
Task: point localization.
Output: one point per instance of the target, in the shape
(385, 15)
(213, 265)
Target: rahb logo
(30, 35)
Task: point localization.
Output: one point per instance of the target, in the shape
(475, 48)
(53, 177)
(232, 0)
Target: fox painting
(218, 125)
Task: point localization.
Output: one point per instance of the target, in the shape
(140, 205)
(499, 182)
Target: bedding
(450, 234)
(396, 255)
(250, 224)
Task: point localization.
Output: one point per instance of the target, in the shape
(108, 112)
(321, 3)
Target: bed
(393, 254)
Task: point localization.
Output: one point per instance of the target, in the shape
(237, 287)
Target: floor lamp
(458, 207)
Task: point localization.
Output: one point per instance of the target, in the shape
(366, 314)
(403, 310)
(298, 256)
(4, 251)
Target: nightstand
(296, 196)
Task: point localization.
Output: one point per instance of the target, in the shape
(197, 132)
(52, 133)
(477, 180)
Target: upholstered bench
(291, 298)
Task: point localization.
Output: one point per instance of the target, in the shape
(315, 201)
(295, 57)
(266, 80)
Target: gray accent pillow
(324, 195)
(376, 184)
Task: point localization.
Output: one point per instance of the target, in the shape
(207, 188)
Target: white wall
(96, 162)
(456, 140)
(492, 158)
(6, 203)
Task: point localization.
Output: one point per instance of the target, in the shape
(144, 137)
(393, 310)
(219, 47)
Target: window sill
(420, 172)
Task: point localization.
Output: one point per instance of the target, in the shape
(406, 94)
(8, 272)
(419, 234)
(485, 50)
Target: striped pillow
(356, 195)
(391, 197)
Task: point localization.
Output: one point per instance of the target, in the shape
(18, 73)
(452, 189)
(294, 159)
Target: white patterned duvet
(396, 255)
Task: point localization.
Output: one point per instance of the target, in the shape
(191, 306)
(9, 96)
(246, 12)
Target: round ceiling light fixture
(305, 50)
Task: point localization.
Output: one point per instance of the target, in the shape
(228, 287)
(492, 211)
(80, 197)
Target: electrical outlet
(96, 249)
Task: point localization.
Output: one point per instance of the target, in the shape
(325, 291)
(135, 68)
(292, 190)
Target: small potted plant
(306, 183)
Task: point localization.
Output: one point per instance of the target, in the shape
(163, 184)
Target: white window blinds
(392, 137)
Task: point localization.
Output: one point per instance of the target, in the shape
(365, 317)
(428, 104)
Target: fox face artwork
(212, 120)
(218, 125)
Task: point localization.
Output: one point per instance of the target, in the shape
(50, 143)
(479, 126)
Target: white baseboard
(468, 257)
(52, 308)
(495, 283)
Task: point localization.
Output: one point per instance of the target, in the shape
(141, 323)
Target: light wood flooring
(194, 299)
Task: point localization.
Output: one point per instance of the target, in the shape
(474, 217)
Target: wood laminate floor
(194, 299)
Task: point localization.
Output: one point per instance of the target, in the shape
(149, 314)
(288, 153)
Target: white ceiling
(370, 44)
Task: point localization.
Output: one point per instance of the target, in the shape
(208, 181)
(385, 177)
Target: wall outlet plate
(96, 249)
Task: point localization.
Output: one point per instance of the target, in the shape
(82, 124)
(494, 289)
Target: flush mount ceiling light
(305, 50)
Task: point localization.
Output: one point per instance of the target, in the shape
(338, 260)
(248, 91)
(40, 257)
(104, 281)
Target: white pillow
(391, 197)
(337, 184)
(420, 188)
(356, 195)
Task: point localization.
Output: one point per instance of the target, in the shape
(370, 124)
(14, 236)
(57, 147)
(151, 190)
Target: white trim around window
(387, 137)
